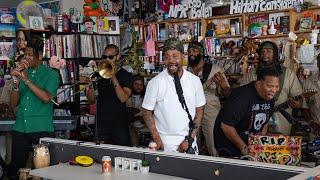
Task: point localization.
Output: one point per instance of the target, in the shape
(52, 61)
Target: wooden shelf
(301, 32)
(224, 16)
(7, 38)
(71, 59)
(271, 36)
(180, 20)
(35, 30)
(226, 36)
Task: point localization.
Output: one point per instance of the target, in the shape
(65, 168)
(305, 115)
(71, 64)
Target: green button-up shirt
(34, 115)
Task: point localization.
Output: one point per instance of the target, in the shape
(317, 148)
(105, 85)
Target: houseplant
(145, 166)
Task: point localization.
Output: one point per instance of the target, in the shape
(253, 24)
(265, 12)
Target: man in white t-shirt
(167, 120)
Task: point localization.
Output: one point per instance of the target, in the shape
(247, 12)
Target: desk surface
(64, 171)
(59, 124)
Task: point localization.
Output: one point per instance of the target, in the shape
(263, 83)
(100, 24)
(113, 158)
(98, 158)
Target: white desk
(64, 171)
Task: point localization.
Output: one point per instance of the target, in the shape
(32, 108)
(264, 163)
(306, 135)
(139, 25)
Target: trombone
(106, 69)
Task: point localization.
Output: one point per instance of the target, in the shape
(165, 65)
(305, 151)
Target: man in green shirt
(32, 94)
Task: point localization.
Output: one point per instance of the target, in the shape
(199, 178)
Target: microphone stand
(96, 95)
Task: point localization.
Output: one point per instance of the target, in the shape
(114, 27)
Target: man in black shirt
(111, 102)
(246, 111)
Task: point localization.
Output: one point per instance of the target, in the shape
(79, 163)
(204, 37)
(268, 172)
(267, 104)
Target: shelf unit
(75, 105)
(294, 18)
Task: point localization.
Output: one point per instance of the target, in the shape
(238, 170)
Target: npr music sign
(248, 6)
(196, 7)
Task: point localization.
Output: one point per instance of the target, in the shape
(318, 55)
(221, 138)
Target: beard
(134, 92)
(194, 60)
(268, 63)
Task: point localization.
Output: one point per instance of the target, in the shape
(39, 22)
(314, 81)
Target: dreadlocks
(36, 43)
(275, 62)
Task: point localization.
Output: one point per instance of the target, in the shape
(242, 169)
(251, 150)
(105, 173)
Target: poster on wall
(276, 149)
(112, 7)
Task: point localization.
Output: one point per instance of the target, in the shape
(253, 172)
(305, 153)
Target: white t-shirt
(170, 118)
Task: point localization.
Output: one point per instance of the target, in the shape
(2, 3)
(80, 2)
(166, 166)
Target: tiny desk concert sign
(276, 149)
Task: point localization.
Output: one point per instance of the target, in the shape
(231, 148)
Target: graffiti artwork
(277, 149)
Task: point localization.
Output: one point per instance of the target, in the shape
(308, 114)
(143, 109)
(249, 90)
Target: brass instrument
(106, 69)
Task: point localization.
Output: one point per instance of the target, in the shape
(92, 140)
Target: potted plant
(145, 166)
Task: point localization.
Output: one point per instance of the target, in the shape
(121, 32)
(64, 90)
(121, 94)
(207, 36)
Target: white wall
(14, 3)
(66, 4)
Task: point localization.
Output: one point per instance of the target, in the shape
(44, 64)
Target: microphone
(24, 64)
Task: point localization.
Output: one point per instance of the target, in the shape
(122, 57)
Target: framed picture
(305, 23)
(36, 22)
(108, 25)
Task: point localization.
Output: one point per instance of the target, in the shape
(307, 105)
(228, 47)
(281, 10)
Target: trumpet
(20, 66)
(106, 70)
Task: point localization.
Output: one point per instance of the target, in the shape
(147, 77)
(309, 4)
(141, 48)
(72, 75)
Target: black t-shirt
(247, 112)
(112, 113)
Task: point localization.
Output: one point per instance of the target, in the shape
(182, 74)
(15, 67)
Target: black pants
(117, 136)
(21, 145)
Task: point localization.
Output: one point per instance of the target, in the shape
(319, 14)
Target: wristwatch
(186, 138)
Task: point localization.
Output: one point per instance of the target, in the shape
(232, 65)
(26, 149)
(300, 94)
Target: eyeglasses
(108, 57)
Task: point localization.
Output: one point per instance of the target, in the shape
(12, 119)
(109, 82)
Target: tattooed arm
(197, 121)
(149, 119)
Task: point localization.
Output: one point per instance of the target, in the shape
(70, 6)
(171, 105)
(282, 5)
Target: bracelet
(186, 138)
(27, 82)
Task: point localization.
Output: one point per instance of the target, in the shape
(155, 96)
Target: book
(285, 24)
(8, 30)
(256, 22)
(305, 24)
(7, 16)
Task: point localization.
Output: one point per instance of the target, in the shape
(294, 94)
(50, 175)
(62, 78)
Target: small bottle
(65, 20)
(106, 165)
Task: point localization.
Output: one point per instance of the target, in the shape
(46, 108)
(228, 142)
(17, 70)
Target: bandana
(172, 44)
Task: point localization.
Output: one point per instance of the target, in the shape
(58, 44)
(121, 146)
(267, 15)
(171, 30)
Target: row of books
(158, 32)
(62, 46)
(93, 46)
(185, 31)
(76, 46)
(221, 47)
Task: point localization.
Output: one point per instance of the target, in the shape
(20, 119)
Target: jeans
(21, 145)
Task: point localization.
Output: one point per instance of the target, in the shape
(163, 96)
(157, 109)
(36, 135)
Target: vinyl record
(26, 9)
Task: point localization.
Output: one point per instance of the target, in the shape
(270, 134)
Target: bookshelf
(171, 27)
(77, 48)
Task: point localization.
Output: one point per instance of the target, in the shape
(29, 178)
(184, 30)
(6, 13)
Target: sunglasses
(108, 57)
